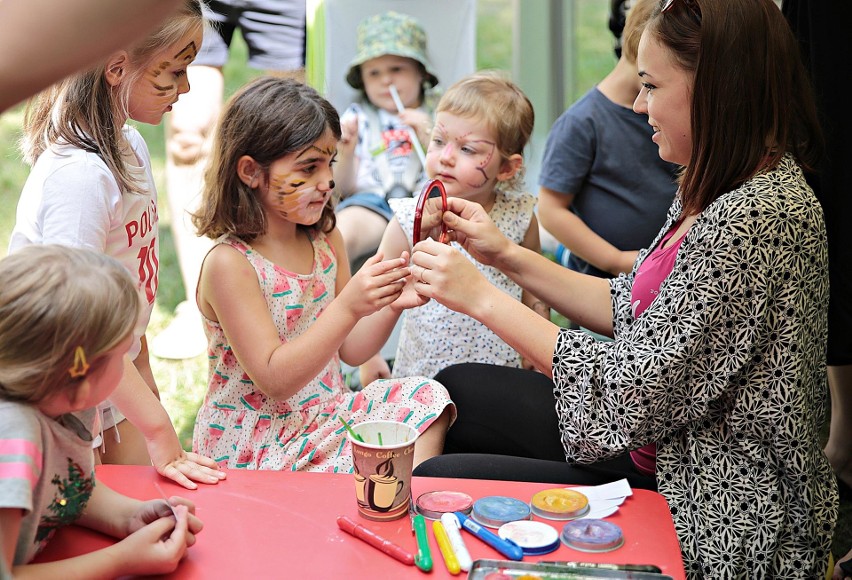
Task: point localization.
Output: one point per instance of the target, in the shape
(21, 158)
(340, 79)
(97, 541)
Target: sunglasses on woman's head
(691, 5)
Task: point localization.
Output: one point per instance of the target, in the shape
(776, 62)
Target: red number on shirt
(149, 267)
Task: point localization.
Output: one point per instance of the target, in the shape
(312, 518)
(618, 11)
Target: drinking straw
(418, 148)
(380, 438)
(355, 436)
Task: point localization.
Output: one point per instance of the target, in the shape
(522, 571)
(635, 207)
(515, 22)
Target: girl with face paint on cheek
(281, 305)
(92, 186)
(482, 125)
(300, 184)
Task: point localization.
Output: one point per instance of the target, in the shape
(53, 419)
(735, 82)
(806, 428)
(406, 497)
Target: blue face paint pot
(495, 510)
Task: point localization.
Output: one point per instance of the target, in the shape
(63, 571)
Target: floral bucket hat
(389, 33)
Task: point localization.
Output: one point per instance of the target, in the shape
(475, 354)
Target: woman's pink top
(646, 286)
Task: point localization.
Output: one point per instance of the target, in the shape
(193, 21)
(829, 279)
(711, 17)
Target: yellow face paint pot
(559, 504)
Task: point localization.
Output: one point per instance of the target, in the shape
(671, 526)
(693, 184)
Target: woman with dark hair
(719, 331)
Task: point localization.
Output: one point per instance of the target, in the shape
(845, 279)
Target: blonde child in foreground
(66, 322)
(482, 125)
(280, 306)
(92, 186)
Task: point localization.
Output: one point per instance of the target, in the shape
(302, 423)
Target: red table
(270, 524)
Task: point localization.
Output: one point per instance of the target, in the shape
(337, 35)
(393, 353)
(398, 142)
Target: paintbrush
(165, 498)
(349, 430)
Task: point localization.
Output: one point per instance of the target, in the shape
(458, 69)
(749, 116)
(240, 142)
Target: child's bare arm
(232, 295)
(10, 525)
(117, 515)
(346, 167)
(577, 237)
(137, 402)
(156, 549)
(420, 121)
(153, 546)
(373, 369)
(371, 332)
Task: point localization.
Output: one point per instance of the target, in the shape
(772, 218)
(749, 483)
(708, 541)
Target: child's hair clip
(80, 366)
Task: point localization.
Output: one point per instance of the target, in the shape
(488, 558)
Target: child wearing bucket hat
(377, 156)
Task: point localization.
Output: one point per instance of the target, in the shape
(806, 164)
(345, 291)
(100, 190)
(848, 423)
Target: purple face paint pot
(559, 504)
(495, 510)
(434, 504)
(591, 535)
(534, 538)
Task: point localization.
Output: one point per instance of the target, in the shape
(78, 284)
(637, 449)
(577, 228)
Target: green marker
(423, 558)
(355, 436)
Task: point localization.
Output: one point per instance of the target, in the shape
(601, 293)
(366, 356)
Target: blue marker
(506, 547)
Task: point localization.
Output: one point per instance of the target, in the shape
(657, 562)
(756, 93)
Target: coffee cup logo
(383, 487)
(360, 489)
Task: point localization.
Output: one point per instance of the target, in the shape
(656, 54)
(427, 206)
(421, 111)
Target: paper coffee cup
(382, 466)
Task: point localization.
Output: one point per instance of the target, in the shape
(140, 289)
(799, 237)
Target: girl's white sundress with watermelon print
(240, 427)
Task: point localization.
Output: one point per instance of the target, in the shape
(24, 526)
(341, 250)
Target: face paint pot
(495, 510)
(534, 538)
(591, 535)
(559, 504)
(432, 505)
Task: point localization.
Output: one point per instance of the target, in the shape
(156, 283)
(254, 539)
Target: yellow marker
(447, 552)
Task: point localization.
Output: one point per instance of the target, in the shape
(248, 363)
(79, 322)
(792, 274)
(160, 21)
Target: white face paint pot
(534, 538)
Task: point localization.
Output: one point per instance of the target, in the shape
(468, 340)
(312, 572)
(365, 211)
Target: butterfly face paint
(300, 184)
(464, 156)
(160, 85)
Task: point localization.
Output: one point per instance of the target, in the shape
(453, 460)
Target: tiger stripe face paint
(299, 185)
(158, 88)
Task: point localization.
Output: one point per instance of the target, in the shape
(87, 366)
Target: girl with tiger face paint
(281, 307)
(158, 85)
(298, 187)
(92, 186)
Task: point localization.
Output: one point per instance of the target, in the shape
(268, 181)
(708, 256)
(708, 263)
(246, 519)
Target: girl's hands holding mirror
(376, 284)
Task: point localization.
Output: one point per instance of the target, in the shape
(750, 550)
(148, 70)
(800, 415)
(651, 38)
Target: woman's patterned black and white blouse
(725, 371)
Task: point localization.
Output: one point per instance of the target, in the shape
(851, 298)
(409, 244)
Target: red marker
(378, 542)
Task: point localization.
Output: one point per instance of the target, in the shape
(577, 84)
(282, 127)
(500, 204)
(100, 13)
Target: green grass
(182, 383)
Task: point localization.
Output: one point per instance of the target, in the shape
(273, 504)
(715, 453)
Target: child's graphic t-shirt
(46, 470)
(385, 150)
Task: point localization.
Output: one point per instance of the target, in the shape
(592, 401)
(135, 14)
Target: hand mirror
(429, 213)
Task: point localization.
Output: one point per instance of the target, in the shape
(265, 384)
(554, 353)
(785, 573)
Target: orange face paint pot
(559, 504)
